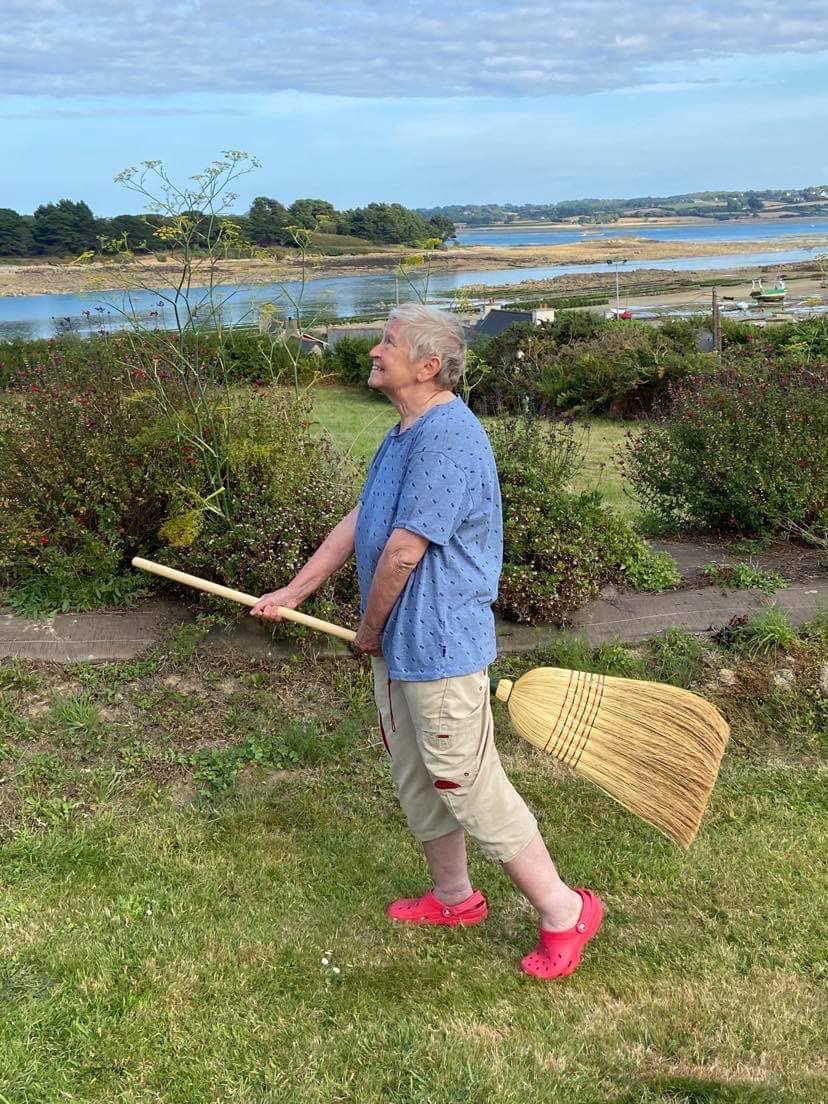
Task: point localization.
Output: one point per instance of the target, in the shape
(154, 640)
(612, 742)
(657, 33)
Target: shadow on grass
(690, 1090)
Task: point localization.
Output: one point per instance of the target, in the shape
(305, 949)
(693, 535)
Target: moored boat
(763, 295)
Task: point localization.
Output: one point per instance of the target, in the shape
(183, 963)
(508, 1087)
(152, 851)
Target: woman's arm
(401, 555)
(335, 551)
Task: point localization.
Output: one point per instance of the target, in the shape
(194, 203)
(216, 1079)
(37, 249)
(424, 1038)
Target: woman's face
(392, 368)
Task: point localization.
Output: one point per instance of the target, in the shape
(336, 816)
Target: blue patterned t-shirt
(437, 479)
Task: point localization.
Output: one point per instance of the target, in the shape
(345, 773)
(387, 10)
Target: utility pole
(717, 324)
(617, 266)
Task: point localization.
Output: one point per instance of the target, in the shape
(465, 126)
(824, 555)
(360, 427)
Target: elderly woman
(428, 537)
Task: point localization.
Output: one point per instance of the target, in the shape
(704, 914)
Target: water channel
(33, 316)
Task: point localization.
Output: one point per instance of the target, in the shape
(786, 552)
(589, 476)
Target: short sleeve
(433, 498)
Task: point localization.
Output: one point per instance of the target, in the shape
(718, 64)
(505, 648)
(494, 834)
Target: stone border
(626, 616)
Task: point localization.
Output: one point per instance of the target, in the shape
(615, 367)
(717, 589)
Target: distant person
(428, 539)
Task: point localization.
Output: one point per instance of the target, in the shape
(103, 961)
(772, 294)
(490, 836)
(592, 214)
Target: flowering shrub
(560, 548)
(70, 353)
(84, 476)
(742, 449)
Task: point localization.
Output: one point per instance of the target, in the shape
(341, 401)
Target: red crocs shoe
(428, 910)
(559, 953)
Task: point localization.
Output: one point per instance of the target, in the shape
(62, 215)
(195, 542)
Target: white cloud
(384, 49)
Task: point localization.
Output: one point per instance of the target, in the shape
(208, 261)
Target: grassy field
(196, 849)
(357, 420)
(333, 245)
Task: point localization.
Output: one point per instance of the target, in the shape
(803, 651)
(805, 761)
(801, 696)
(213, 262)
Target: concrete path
(632, 616)
(626, 616)
(67, 637)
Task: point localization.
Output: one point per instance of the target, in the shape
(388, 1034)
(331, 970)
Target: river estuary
(33, 316)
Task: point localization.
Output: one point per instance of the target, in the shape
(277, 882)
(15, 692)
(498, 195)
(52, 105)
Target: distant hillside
(780, 203)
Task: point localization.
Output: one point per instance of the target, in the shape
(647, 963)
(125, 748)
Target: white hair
(428, 331)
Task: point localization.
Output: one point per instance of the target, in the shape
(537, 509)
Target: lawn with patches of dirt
(185, 839)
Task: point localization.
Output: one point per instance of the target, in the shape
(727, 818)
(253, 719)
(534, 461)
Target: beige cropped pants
(439, 736)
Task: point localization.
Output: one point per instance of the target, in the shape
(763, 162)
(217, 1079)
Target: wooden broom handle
(240, 597)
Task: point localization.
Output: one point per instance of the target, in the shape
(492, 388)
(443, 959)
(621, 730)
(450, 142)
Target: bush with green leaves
(801, 341)
(348, 360)
(560, 548)
(740, 449)
(245, 355)
(744, 576)
(100, 463)
(252, 357)
(583, 364)
(289, 489)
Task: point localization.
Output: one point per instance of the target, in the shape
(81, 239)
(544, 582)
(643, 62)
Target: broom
(654, 748)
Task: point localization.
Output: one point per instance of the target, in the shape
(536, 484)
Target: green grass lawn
(335, 244)
(185, 839)
(357, 420)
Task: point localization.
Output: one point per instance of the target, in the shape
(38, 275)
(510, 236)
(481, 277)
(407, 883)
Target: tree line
(715, 205)
(69, 227)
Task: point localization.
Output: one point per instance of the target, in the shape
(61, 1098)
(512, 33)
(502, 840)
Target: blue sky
(422, 103)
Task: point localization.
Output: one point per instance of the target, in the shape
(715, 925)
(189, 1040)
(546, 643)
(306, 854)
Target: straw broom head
(655, 749)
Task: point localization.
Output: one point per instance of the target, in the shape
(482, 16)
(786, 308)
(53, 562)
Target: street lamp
(617, 266)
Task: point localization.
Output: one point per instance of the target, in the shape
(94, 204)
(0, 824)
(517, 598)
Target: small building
(497, 319)
(309, 344)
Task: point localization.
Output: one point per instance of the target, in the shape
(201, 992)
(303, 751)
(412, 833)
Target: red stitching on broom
(554, 731)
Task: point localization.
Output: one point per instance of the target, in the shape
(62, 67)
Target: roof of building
(336, 333)
(496, 321)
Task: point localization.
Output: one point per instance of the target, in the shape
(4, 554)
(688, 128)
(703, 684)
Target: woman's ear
(429, 369)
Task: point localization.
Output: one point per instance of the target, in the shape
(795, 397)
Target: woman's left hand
(367, 641)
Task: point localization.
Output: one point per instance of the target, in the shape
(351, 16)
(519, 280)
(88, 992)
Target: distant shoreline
(98, 277)
(677, 220)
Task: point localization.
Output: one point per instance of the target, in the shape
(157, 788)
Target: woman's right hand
(267, 606)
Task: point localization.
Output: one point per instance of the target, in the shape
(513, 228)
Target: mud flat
(39, 278)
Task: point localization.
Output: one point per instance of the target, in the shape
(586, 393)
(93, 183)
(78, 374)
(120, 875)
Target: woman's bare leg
(446, 858)
(536, 876)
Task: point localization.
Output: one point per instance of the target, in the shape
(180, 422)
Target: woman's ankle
(453, 895)
(562, 915)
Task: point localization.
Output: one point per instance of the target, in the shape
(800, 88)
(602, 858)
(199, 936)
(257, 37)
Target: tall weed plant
(291, 489)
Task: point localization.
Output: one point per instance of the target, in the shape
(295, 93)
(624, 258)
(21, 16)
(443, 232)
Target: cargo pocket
(453, 743)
